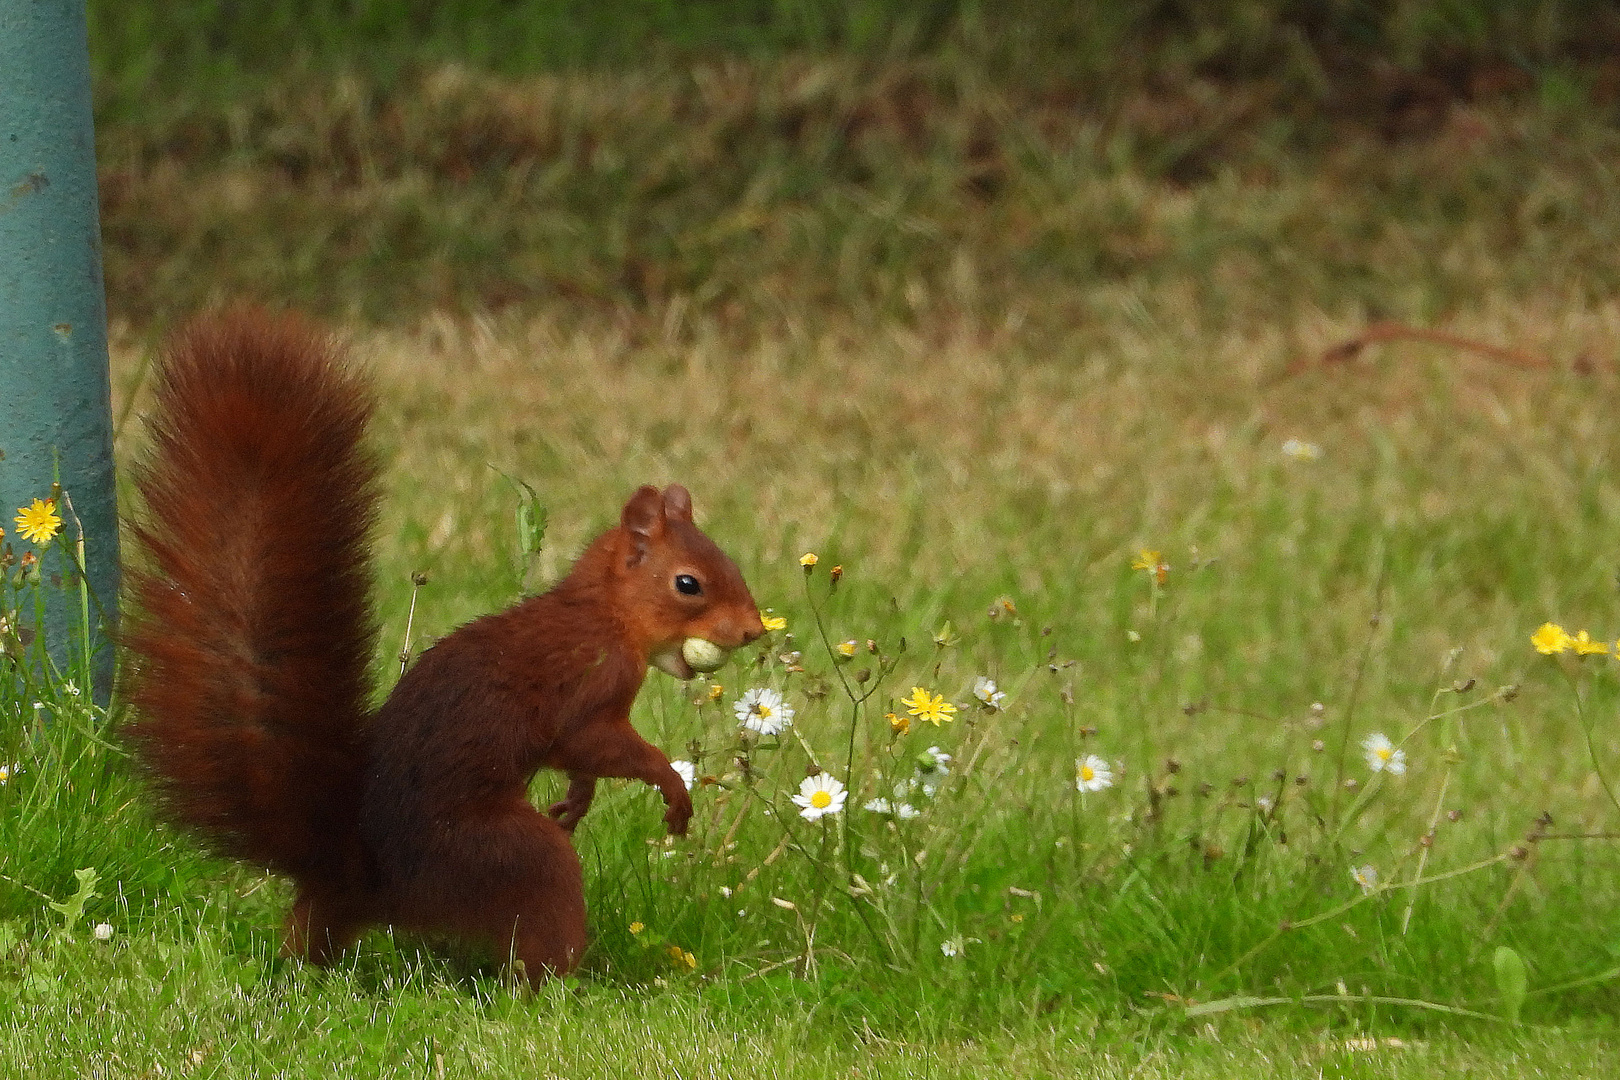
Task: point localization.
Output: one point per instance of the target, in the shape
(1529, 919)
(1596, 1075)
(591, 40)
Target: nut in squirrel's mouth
(694, 655)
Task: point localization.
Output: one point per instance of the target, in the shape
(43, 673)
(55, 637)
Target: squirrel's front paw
(567, 812)
(678, 814)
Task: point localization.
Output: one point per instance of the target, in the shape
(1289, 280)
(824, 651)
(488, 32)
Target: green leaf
(531, 523)
(72, 909)
(531, 515)
(1511, 981)
(1239, 1001)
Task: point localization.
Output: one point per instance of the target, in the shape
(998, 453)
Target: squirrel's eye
(687, 584)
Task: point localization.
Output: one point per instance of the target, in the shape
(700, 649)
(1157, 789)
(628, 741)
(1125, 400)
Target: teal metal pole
(55, 401)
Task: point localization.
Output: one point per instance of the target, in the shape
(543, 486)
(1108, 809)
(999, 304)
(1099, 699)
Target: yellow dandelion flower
(715, 690)
(1585, 646)
(901, 724)
(38, 522)
(928, 706)
(637, 927)
(846, 648)
(808, 559)
(1551, 638)
(773, 622)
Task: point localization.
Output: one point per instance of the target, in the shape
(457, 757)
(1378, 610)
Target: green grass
(944, 483)
(979, 343)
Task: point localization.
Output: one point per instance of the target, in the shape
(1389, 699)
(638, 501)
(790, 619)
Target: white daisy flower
(763, 710)
(1383, 755)
(818, 795)
(103, 931)
(933, 766)
(952, 946)
(1092, 773)
(903, 811)
(1300, 450)
(984, 688)
(1366, 877)
(686, 771)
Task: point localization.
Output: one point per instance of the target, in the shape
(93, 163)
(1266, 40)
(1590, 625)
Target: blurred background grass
(760, 162)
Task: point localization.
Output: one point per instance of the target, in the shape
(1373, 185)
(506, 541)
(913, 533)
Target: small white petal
(763, 710)
(1092, 773)
(1383, 755)
(820, 795)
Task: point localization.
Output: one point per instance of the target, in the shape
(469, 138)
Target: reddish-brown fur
(252, 633)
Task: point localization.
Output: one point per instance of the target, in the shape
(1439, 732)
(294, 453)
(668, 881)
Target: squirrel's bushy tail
(252, 633)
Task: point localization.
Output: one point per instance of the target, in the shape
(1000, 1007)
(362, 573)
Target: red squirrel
(252, 634)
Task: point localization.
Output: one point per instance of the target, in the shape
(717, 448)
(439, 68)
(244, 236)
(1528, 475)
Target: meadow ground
(1079, 429)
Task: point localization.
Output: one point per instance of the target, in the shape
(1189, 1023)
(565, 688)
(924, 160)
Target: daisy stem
(1423, 854)
(1591, 747)
(1340, 909)
(417, 581)
(1339, 1000)
(826, 874)
(1355, 687)
(1358, 807)
(856, 698)
(81, 572)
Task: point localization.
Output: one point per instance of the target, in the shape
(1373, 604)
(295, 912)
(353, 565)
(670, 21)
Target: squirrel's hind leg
(511, 880)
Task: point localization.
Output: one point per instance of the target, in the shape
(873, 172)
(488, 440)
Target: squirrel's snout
(743, 631)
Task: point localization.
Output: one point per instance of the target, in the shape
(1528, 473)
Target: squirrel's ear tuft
(643, 518)
(678, 502)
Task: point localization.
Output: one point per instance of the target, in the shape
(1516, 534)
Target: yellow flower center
(1087, 774)
(821, 800)
(1385, 752)
(762, 710)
